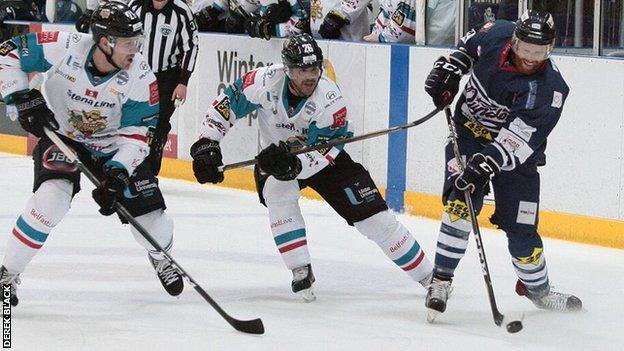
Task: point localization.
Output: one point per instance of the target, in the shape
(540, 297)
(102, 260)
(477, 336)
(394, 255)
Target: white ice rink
(91, 286)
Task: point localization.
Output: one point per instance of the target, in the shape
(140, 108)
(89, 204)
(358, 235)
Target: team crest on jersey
(478, 130)
(47, 37)
(340, 118)
(398, 16)
(87, 122)
(7, 47)
(456, 210)
(223, 108)
(91, 93)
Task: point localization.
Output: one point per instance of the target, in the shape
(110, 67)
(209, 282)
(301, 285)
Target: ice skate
(437, 294)
(302, 282)
(13, 279)
(168, 275)
(551, 300)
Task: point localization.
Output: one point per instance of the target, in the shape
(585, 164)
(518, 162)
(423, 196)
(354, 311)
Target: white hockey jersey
(356, 11)
(110, 115)
(318, 118)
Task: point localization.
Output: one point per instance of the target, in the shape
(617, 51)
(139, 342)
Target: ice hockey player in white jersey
(102, 98)
(298, 105)
(340, 19)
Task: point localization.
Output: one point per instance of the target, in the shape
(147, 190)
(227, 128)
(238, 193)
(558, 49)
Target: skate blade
(432, 315)
(307, 295)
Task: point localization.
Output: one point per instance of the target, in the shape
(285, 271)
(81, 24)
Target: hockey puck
(514, 327)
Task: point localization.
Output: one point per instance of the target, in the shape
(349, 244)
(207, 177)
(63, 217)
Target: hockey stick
(254, 326)
(500, 320)
(340, 141)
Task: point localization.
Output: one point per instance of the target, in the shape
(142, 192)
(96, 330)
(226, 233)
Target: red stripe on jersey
(25, 241)
(135, 137)
(293, 246)
(416, 263)
(408, 30)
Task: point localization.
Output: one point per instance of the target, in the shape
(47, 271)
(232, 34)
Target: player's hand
(333, 22)
(33, 113)
(279, 13)
(373, 37)
(478, 172)
(111, 189)
(259, 27)
(277, 161)
(442, 82)
(207, 158)
(84, 21)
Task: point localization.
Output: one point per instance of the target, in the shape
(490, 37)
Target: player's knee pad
(379, 227)
(50, 203)
(159, 226)
(277, 191)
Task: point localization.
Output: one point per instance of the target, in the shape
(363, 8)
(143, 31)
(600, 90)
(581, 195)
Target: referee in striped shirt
(171, 46)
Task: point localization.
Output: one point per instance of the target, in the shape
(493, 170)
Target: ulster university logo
(87, 122)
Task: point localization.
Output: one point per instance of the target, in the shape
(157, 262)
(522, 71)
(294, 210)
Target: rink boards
(582, 189)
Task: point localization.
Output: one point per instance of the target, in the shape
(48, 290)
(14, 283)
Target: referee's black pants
(167, 82)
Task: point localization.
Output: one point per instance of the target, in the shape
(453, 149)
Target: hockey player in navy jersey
(511, 103)
(102, 98)
(298, 105)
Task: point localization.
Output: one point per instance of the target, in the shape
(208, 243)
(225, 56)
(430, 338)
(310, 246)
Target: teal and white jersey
(318, 118)
(109, 115)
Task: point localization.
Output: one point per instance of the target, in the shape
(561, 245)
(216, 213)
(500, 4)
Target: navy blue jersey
(509, 113)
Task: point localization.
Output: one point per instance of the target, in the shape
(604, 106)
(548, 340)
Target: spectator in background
(67, 11)
(340, 19)
(280, 19)
(396, 22)
(22, 10)
(221, 15)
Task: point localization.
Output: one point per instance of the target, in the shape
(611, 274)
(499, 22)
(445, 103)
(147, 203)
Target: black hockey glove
(277, 161)
(84, 21)
(279, 13)
(111, 189)
(259, 27)
(333, 22)
(442, 82)
(33, 113)
(479, 170)
(208, 20)
(207, 158)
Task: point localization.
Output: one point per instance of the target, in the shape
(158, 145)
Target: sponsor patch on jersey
(153, 94)
(91, 93)
(527, 212)
(144, 66)
(47, 37)
(478, 130)
(331, 95)
(166, 30)
(75, 37)
(340, 118)
(309, 107)
(223, 108)
(7, 47)
(122, 78)
(521, 129)
(398, 16)
(557, 100)
(249, 79)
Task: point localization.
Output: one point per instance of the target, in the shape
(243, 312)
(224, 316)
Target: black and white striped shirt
(170, 36)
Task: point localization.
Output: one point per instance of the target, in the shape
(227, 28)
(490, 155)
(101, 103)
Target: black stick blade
(253, 326)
